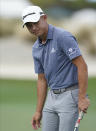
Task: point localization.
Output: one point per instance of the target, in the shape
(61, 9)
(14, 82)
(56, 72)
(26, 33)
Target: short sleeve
(70, 47)
(38, 66)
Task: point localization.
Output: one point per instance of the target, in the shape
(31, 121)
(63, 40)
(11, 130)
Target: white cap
(31, 14)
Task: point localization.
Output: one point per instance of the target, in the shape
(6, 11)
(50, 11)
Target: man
(61, 67)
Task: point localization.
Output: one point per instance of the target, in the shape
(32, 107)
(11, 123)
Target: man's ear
(45, 17)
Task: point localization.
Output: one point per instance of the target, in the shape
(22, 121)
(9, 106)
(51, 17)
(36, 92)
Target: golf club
(80, 117)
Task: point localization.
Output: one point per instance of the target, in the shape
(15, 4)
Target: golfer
(61, 68)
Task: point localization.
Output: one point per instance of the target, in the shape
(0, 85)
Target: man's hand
(41, 95)
(83, 104)
(36, 120)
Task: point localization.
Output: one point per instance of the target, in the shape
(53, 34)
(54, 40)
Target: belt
(61, 90)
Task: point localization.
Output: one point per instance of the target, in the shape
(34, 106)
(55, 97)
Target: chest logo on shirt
(53, 50)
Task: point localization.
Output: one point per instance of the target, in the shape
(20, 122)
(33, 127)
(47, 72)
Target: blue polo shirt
(54, 58)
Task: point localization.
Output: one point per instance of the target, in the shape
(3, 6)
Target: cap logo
(28, 14)
(31, 14)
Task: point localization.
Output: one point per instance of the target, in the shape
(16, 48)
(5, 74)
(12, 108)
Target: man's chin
(36, 34)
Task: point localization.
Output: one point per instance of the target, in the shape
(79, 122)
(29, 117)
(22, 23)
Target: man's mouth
(36, 32)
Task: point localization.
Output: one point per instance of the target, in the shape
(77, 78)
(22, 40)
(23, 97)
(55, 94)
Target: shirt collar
(50, 32)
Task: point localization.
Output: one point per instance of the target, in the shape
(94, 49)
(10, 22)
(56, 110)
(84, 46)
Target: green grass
(18, 103)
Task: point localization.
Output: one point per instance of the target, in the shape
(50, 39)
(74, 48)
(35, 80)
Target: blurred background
(17, 76)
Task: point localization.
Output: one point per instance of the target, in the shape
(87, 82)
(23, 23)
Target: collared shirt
(54, 58)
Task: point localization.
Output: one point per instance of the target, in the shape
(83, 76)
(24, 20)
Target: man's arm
(41, 96)
(41, 92)
(83, 102)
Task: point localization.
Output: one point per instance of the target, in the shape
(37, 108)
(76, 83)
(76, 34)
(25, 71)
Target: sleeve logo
(71, 51)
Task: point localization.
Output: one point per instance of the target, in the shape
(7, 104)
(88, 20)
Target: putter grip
(80, 117)
(81, 114)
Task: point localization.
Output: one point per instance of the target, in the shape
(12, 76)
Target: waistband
(61, 90)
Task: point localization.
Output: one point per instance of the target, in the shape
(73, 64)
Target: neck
(44, 36)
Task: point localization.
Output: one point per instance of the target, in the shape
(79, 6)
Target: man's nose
(34, 27)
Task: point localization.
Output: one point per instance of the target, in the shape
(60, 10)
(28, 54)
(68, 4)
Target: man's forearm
(82, 75)
(83, 102)
(83, 81)
(41, 94)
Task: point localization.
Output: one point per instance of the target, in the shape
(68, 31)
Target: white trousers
(60, 111)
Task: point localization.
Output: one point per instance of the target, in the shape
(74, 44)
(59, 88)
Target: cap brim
(31, 18)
